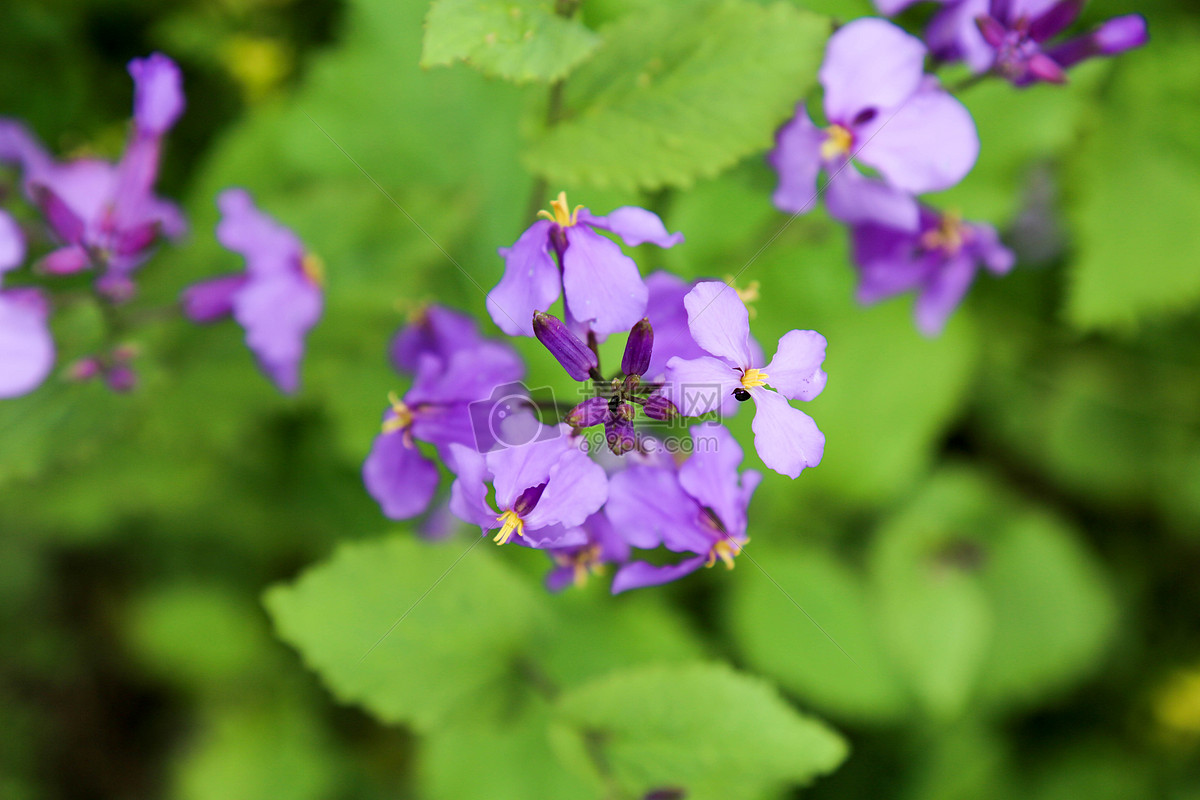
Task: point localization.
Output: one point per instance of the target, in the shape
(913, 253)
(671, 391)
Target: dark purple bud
(992, 30)
(658, 407)
(84, 369)
(1000, 10)
(638, 348)
(1044, 68)
(1056, 20)
(620, 436)
(65, 222)
(623, 412)
(528, 499)
(565, 346)
(1120, 34)
(121, 378)
(593, 411)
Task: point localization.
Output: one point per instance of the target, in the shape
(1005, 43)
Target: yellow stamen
(838, 141)
(754, 377)
(725, 549)
(403, 415)
(314, 268)
(562, 215)
(509, 521)
(748, 295)
(949, 236)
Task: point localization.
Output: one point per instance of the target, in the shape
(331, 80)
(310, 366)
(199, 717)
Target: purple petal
(576, 489)
(992, 30)
(795, 371)
(470, 374)
(211, 300)
(787, 439)
(531, 281)
(19, 146)
(12, 243)
(648, 507)
(797, 160)
(62, 218)
(928, 145)
(854, 199)
(1054, 20)
(1042, 67)
(1120, 34)
(601, 284)
(157, 93)
(436, 330)
(519, 468)
(468, 494)
(635, 226)
(26, 348)
(400, 479)
(699, 385)
(447, 424)
(954, 35)
(986, 245)
(885, 261)
(639, 574)
(710, 475)
(277, 312)
(548, 537)
(267, 246)
(560, 578)
(944, 293)
(593, 411)
(869, 63)
(719, 321)
(668, 316)
(890, 8)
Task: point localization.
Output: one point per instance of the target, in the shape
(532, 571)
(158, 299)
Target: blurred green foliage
(988, 587)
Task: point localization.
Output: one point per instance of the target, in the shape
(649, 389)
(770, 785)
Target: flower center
(724, 549)
(838, 140)
(562, 214)
(949, 236)
(402, 415)
(583, 563)
(510, 521)
(754, 377)
(748, 295)
(313, 268)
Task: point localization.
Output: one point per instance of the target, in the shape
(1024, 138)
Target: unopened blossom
(699, 509)
(884, 112)
(433, 330)
(564, 254)
(1015, 37)
(106, 215)
(26, 347)
(575, 564)
(437, 410)
(278, 297)
(544, 491)
(938, 262)
(786, 438)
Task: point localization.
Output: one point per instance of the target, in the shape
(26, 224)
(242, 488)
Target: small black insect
(741, 394)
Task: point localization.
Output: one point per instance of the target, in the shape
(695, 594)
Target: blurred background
(1004, 534)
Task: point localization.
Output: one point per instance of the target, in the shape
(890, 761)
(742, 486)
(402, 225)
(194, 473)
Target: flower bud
(638, 348)
(565, 346)
(657, 406)
(620, 436)
(590, 412)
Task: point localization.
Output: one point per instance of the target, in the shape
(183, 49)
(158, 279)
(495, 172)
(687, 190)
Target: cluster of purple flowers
(105, 217)
(646, 487)
(886, 113)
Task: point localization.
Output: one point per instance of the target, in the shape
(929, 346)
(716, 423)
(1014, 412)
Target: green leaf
(782, 640)
(1137, 194)
(681, 92)
(703, 727)
(521, 40)
(454, 647)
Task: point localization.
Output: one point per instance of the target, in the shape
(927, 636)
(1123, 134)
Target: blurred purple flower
(884, 112)
(433, 330)
(603, 290)
(938, 262)
(435, 410)
(26, 348)
(573, 565)
(277, 299)
(545, 490)
(107, 215)
(786, 438)
(698, 509)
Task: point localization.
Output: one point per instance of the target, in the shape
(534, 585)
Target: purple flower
(939, 262)
(107, 215)
(277, 299)
(603, 290)
(885, 112)
(786, 438)
(436, 410)
(699, 509)
(434, 330)
(573, 565)
(545, 490)
(26, 348)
